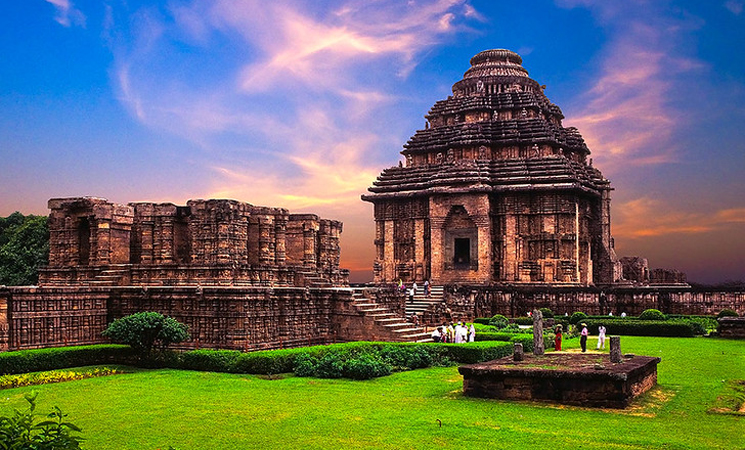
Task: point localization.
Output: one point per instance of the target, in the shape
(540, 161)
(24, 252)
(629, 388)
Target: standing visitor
(601, 337)
(464, 333)
(414, 287)
(557, 338)
(451, 333)
(427, 290)
(411, 295)
(457, 334)
(583, 338)
(472, 333)
(437, 334)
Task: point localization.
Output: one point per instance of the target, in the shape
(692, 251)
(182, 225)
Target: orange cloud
(645, 217)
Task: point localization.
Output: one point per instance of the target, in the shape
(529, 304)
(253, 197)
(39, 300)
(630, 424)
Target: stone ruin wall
(469, 302)
(222, 242)
(240, 318)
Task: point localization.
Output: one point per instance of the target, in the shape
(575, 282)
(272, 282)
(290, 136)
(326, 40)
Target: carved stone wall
(220, 242)
(229, 317)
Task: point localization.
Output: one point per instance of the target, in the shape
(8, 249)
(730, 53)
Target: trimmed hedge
(357, 360)
(37, 360)
(636, 327)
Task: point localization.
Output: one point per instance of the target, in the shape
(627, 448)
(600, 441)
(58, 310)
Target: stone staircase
(421, 302)
(387, 324)
(111, 276)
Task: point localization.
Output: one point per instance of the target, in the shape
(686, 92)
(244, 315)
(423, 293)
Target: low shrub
(652, 314)
(408, 357)
(668, 328)
(37, 360)
(499, 321)
(727, 313)
(476, 351)
(547, 313)
(53, 376)
(209, 360)
(522, 321)
(365, 367)
(577, 317)
(22, 431)
(482, 320)
(492, 336)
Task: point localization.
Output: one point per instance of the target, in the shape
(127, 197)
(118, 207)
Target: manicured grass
(202, 410)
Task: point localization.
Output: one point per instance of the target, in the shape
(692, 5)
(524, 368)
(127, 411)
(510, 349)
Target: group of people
(412, 290)
(459, 333)
(558, 334)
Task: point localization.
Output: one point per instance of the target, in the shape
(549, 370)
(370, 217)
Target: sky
(301, 104)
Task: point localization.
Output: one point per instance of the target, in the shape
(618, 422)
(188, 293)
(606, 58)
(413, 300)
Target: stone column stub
(615, 349)
(538, 348)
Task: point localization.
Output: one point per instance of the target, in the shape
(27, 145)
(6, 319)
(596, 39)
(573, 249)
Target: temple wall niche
(460, 228)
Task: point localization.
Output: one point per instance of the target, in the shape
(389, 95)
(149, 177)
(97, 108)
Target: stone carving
(518, 354)
(482, 152)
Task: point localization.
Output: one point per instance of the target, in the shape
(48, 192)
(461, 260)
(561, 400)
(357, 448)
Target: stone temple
(494, 190)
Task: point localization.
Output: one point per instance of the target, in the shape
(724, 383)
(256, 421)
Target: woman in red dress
(557, 339)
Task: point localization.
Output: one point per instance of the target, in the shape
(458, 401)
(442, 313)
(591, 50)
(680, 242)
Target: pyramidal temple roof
(498, 131)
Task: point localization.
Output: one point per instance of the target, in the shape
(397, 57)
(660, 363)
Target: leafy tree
(20, 432)
(145, 331)
(24, 247)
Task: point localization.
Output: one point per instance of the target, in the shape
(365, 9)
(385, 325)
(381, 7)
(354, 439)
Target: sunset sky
(301, 104)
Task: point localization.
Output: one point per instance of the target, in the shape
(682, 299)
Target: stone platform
(568, 378)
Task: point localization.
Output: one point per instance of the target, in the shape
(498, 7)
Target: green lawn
(196, 410)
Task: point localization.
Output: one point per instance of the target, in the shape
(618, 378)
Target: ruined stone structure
(494, 190)
(211, 242)
(240, 276)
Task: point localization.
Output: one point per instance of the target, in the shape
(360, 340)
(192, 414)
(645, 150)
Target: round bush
(577, 317)
(547, 313)
(727, 313)
(366, 366)
(499, 321)
(652, 314)
(305, 365)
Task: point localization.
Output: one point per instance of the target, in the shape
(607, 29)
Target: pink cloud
(627, 117)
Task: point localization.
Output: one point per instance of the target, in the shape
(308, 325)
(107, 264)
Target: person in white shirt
(472, 333)
(601, 337)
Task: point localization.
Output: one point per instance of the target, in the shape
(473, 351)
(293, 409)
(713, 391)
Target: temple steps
(421, 302)
(386, 323)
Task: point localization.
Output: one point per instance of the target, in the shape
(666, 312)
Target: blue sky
(301, 104)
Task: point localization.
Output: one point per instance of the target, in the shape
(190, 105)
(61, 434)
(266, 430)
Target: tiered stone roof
(497, 132)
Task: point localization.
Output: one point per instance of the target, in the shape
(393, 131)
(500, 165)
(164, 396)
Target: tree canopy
(145, 331)
(24, 247)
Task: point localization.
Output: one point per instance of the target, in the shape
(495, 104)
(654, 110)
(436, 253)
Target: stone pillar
(389, 257)
(538, 348)
(280, 235)
(309, 245)
(419, 249)
(265, 240)
(518, 355)
(615, 349)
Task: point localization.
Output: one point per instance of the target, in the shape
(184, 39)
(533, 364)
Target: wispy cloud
(734, 6)
(646, 217)
(628, 117)
(67, 14)
(301, 102)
